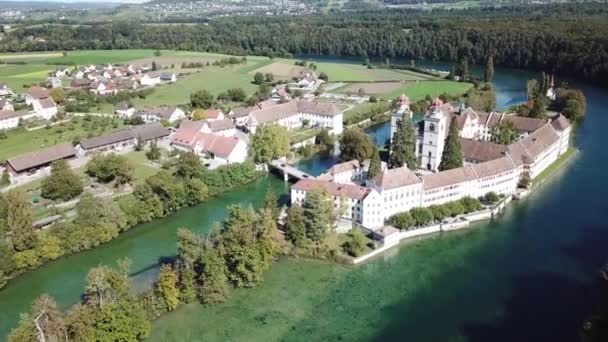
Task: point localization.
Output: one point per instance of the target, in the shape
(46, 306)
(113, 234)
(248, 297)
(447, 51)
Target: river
(528, 276)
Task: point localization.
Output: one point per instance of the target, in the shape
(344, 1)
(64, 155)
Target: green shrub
(491, 197)
(421, 216)
(403, 221)
(471, 204)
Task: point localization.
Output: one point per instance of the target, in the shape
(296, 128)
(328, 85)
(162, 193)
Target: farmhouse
(45, 108)
(10, 119)
(153, 114)
(6, 105)
(36, 93)
(168, 77)
(54, 82)
(124, 110)
(192, 136)
(5, 90)
(39, 159)
(150, 79)
(293, 114)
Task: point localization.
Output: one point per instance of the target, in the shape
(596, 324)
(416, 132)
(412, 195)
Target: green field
(18, 76)
(418, 90)
(20, 140)
(338, 72)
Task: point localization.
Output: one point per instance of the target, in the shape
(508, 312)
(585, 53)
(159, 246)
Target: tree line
(571, 41)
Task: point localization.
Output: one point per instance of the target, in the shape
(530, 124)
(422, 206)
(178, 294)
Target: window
(432, 127)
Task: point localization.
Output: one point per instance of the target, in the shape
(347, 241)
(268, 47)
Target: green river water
(528, 276)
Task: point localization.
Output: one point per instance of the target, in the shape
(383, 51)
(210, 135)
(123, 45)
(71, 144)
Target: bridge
(289, 170)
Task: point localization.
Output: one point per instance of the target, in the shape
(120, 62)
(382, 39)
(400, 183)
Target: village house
(124, 110)
(45, 108)
(150, 79)
(169, 113)
(194, 136)
(6, 105)
(214, 114)
(54, 82)
(102, 88)
(5, 90)
(39, 159)
(240, 116)
(10, 119)
(61, 72)
(294, 114)
(168, 77)
(36, 93)
(80, 83)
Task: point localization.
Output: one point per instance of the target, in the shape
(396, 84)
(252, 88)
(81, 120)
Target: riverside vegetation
(99, 220)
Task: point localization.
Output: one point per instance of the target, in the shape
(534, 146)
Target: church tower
(434, 131)
(401, 112)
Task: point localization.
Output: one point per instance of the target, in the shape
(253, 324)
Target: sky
(123, 1)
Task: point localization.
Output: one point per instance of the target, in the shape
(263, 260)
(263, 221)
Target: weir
(289, 170)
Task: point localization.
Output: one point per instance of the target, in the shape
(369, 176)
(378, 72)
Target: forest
(571, 40)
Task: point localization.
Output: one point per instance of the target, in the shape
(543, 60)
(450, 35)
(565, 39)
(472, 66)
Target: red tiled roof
(218, 145)
(38, 92)
(395, 178)
(334, 189)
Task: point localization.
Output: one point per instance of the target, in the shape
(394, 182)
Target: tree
(452, 153)
(213, 279)
(403, 221)
(269, 142)
(505, 133)
(187, 283)
(266, 236)
(356, 145)
(62, 184)
(44, 323)
(440, 212)
(240, 249)
(403, 146)
(154, 66)
(189, 166)
(202, 99)
(539, 106)
(470, 204)
(58, 95)
(323, 76)
(375, 167)
(491, 197)
(325, 139)
(296, 226)
(525, 180)
(19, 221)
(154, 152)
(258, 78)
(318, 214)
(489, 71)
(167, 287)
(110, 167)
(271, 202)
(199, 114)
(356, 245)
(269, 77)
(421, 216)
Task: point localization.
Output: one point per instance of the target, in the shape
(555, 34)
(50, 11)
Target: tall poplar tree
(375, 166)
(489, 72)
(167, 287)
(19, 221)
(403, 147)
(452, 152)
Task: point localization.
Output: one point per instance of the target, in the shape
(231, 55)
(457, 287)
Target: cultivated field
(18, 76)
(338, 72)
(281, 70)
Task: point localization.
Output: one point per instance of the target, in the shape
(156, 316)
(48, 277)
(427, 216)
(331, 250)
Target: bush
(421, 216)
(62, 184)
(455, 208)
(403, 221)
(491, 197)
(110, 167)
(440, 212)
(471, 204)
(356, 245)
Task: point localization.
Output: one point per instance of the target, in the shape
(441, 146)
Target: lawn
(20, 140)
(419, 90)
(338, 72)
(18, 76)
(141, 166)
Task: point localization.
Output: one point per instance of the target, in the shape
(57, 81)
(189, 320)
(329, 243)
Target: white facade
(45, 108)
(430, 145)
(149, 80)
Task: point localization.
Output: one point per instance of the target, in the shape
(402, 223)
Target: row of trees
(423, 216)
(235, 253)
